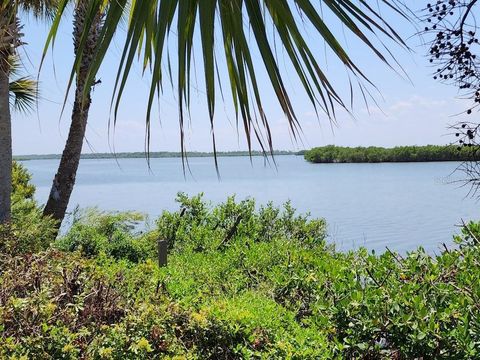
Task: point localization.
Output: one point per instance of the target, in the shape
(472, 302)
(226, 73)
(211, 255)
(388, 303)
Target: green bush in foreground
(29, 231)
(94, 233)
(265, 286)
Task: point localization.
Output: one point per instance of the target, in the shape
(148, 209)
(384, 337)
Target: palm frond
(244, 29)
(39, 8)
(23, 94)
(15, 65)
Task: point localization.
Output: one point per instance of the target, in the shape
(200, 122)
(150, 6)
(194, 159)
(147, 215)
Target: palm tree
(242, 26)
(10, 40)
(64, 179)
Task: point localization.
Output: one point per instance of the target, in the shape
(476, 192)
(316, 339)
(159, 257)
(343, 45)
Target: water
(402, 206)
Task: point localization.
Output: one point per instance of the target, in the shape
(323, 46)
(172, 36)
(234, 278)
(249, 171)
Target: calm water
(400, 206)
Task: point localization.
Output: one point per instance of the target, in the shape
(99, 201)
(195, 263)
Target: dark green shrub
(372, 154)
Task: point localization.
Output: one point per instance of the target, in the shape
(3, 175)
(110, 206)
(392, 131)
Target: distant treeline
(338, 154)
(152, 155)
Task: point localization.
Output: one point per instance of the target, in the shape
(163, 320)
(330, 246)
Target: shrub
(114, 234)
(22, 188)
(200, 227)
(271, 289)
(28, 231)
(470, 235)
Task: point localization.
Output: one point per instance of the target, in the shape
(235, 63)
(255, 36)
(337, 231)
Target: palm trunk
(64, 180)
(9, 41)
(5, 145)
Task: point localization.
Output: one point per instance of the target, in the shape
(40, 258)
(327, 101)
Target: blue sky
(412, 112)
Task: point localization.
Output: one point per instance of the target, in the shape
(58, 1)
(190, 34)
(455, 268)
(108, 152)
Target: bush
(22, 188)
(200, 227)
(28, 231)
(197, 226)
(271, 289)
(113, 234)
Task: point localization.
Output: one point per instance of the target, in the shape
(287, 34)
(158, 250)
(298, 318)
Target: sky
(412, 110)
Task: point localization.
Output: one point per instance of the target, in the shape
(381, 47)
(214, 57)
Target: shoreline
(155, 155)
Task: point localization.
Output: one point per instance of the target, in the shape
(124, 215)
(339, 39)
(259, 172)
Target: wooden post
(162, 252)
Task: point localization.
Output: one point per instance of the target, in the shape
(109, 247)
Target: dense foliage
(241, 282)
(372, 154)
(29, 231)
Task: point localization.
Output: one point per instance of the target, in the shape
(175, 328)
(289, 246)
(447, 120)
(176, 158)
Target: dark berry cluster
(466, 133)
(454, 46)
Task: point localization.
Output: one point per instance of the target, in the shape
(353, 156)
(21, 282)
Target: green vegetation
(29, 231)
(154, 155)
(338, 154)
(241, 282)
